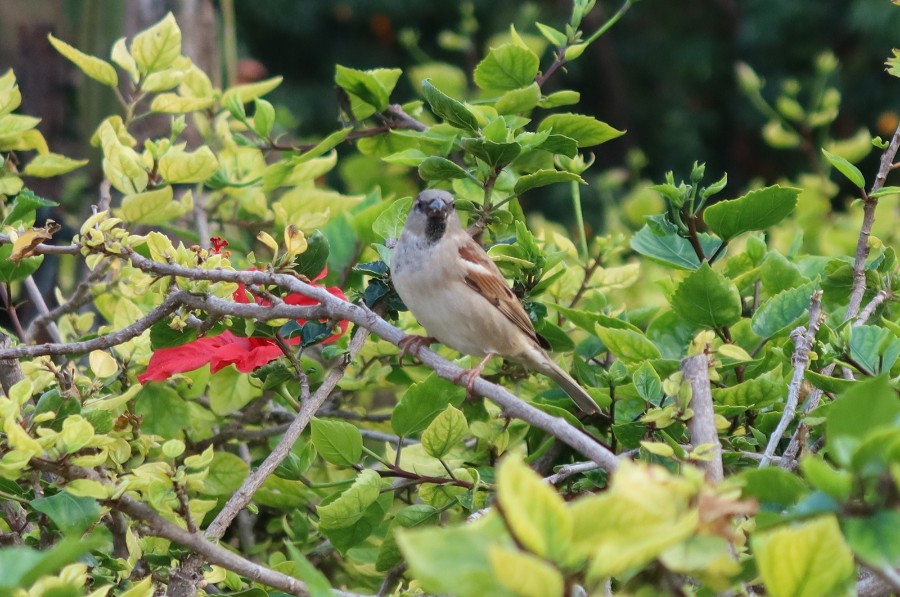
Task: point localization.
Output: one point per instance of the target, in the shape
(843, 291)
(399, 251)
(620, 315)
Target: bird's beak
(436, 208)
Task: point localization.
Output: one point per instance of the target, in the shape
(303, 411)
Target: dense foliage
(219, 404)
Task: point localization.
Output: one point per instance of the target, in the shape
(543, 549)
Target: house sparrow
(460, 297)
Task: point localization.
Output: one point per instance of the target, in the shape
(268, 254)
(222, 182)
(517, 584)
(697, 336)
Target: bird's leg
(411, 343)
(470, 375)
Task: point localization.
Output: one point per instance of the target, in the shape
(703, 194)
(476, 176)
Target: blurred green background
(665, 72)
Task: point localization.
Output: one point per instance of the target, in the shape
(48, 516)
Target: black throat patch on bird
(435, 229)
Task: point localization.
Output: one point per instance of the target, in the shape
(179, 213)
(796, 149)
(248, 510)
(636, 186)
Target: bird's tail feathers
(578, 394)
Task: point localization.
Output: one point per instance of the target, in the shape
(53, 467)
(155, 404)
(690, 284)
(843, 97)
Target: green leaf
(773, 485)
(451, 110)
(227, 472)
(444, 432)
(566, 97)
(13, 271)
(438, 168)
(757, 210)
(757, 392)
(544, 177)
(230, 390)
(187, 167)
(21, 211)
(833, 385)
(338, 442)
(863, 409)
(263, 117)
(365, 85)
(507, 67)
(389, 223)
(782, 310)
(312, 261)
(586, 130)
(554, 36)
(51, 164)
(707, 298)
(628, 345)
(316, 582)
(535, 512)
(72, 515)
(349, 508)
(838, 484)
(496, 155)
(158, 47)
(422, 402)
(850, 171)
(348, 537)
(22, 566)
(885, 191)
(806, 560)
(671, 249)
(518, 101)
(410, 517)
(95, 68)
(647, 383)
(163, 410)
(455, 560)
(875, 539)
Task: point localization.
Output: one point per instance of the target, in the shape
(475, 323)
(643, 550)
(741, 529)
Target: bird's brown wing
(482, 276)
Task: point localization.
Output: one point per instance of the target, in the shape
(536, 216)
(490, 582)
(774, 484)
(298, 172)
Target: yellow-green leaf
(13, 124)
(185, 167)
(351, 505)
(525, 574)
(250, 91)
(171, 103)
(95, 68)
(535, 512)
(121, 56)
(158, 47)
(444, 432)
(804, 560)
(10, 96)
(163, 80)
(51, 164)
(76, 433)
(102, 363)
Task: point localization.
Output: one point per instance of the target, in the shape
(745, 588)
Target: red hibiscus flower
(246, 354)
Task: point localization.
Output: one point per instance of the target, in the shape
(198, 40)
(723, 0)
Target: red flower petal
(166, 362)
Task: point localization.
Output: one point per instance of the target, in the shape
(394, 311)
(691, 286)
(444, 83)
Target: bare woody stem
(803, 342)
(870, 203)
(702, 425)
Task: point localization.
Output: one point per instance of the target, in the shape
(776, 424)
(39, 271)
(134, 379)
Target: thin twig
(570, 470)
(803, 342)
(866, 313)
(37, 297)
(858, 288)
(309, 405)
(101, 342)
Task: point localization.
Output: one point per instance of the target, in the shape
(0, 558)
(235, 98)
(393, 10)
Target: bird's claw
(470, 375)
(410, 344)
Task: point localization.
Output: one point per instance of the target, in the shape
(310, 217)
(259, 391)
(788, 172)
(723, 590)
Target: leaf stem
(579, 219)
